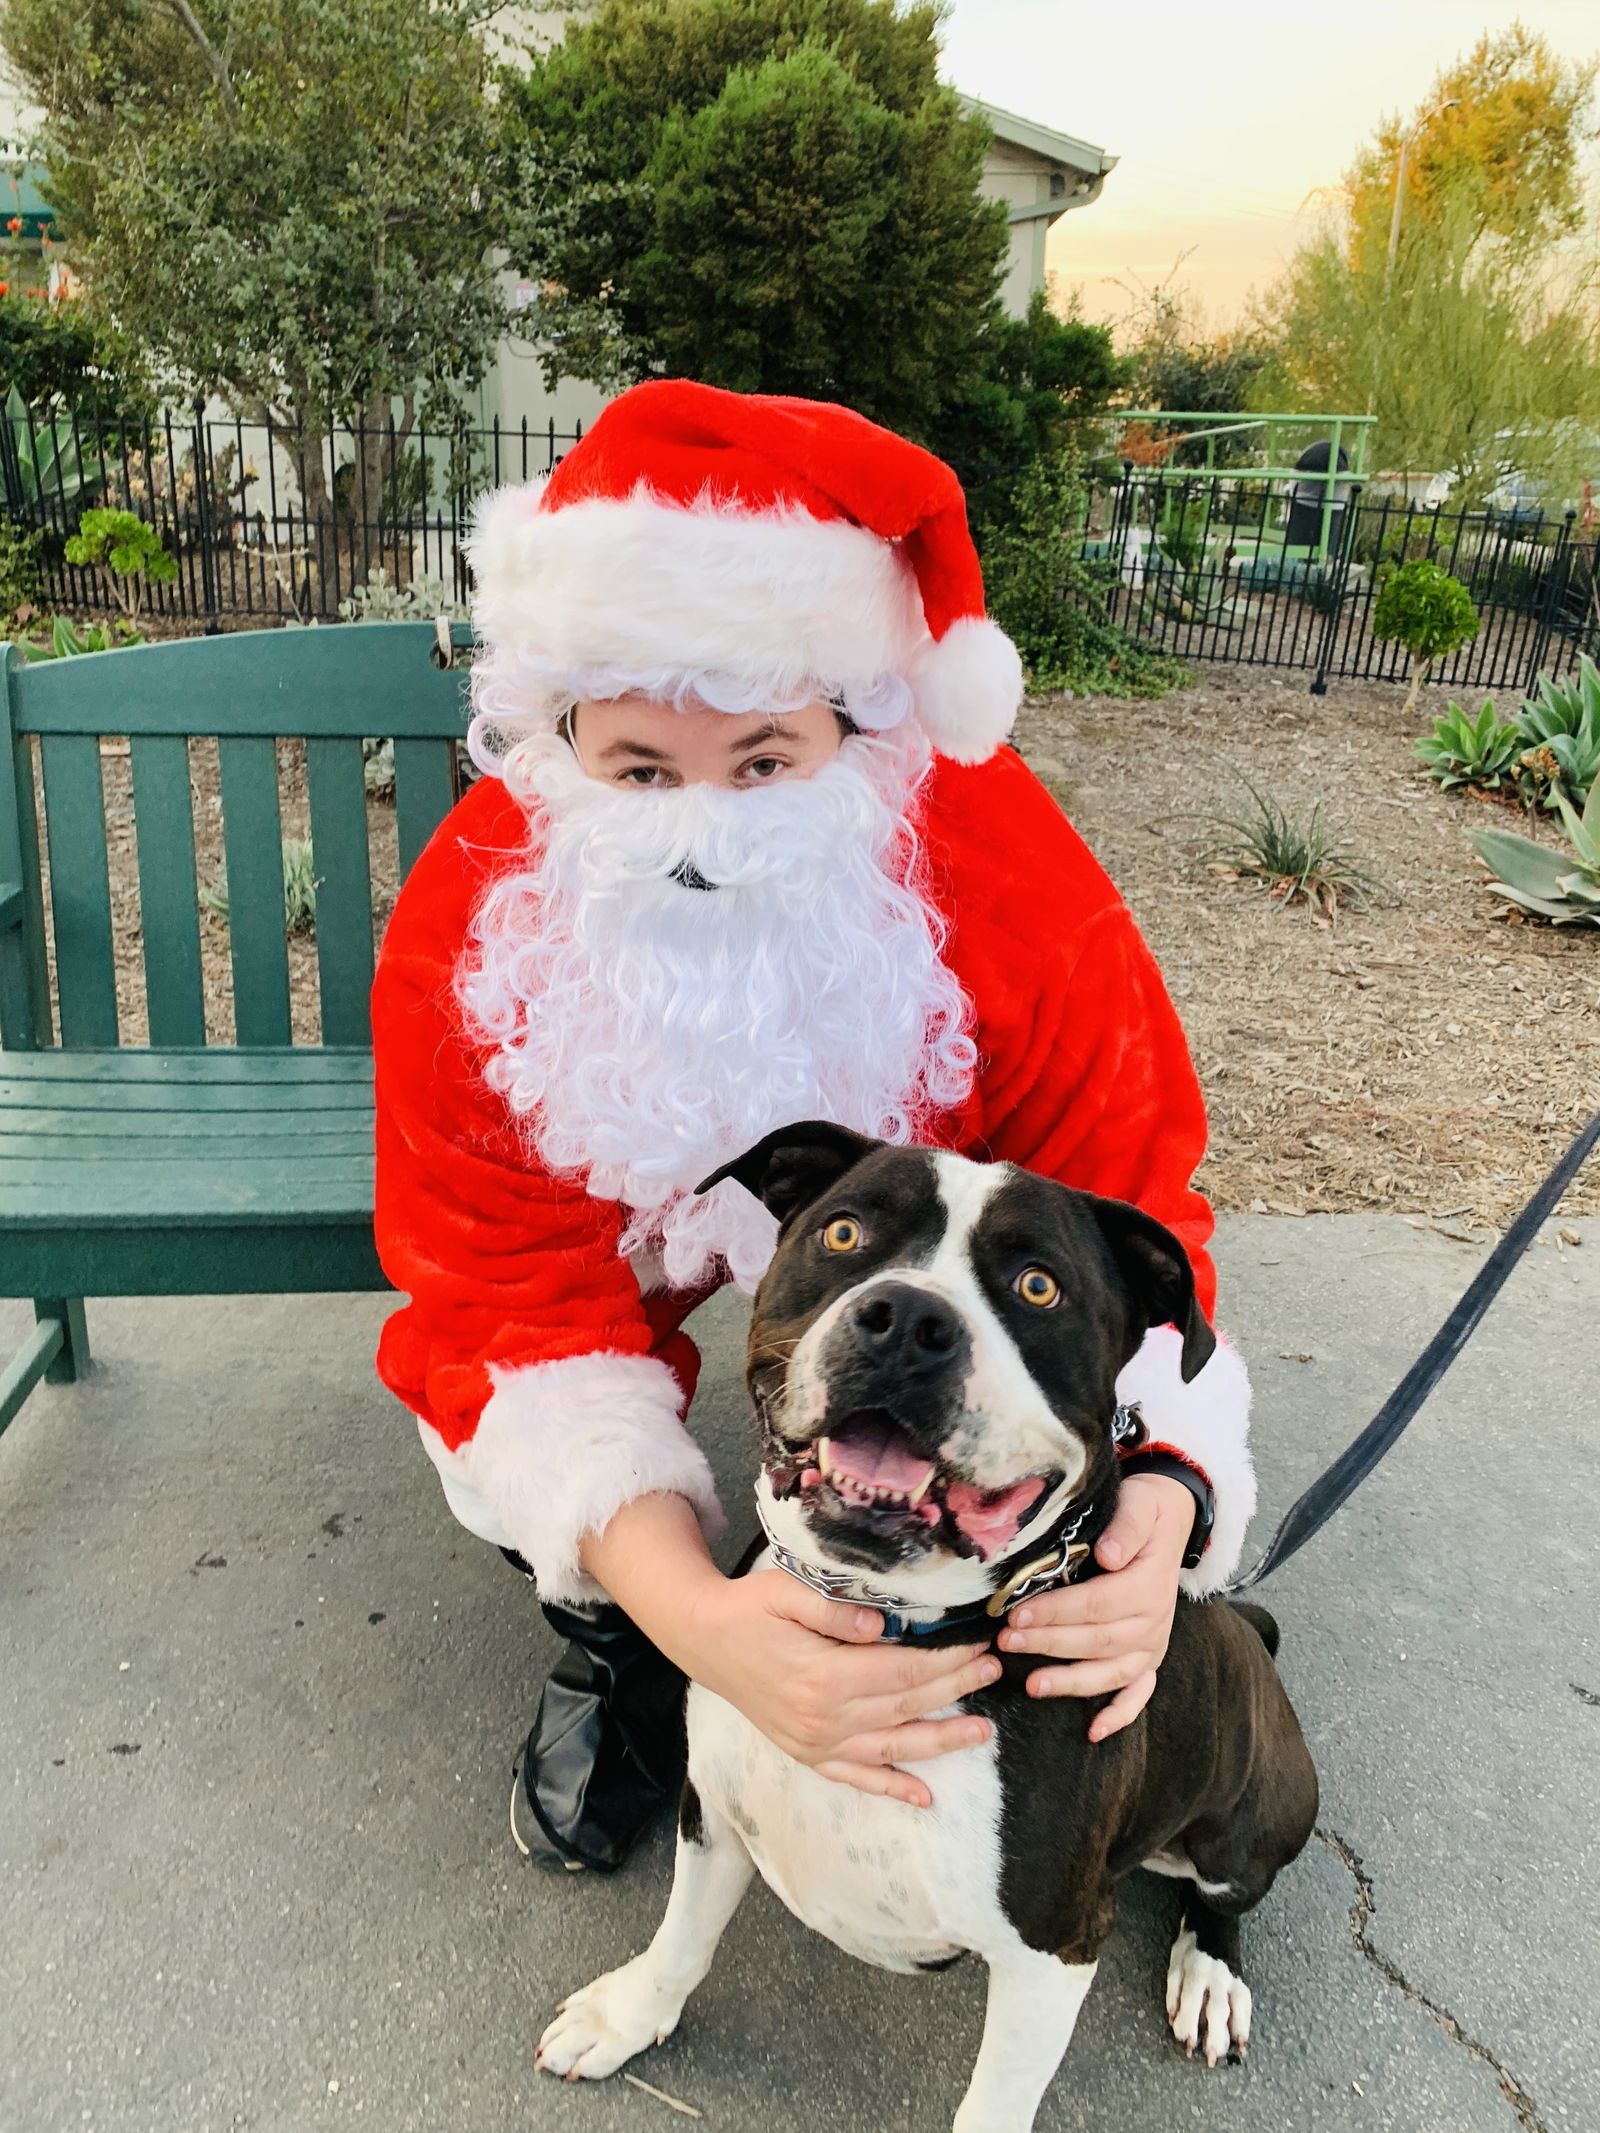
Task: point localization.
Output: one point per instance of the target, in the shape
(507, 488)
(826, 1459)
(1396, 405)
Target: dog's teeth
(825, 1457)
(921, 1489)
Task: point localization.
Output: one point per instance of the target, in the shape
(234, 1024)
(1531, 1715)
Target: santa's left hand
(1116, 1626)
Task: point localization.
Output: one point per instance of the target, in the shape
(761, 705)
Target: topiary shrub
(1427, 611)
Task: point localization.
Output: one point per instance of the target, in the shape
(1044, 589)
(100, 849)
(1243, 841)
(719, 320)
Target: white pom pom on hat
(775, 545)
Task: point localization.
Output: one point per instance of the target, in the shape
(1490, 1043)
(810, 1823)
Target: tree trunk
(1419, 668)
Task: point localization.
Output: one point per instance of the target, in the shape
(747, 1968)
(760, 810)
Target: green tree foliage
(1054, 605)
(1427, 611)
(1477, 353)
(1175, 363)
(64, 352)
(781, 197)
(291, 202)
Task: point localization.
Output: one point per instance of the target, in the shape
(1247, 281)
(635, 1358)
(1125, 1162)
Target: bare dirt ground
(1421, 1054)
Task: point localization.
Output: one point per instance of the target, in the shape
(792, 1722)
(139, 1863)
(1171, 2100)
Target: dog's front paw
(603, 2026)
(1207, 2006)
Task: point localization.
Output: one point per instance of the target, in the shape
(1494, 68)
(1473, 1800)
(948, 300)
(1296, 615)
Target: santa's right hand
(815, 1677)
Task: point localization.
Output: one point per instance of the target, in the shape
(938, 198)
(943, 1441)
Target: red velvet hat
(758, 549)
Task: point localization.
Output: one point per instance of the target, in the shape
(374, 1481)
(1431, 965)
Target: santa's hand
(813, 1676)
(1116, 1626)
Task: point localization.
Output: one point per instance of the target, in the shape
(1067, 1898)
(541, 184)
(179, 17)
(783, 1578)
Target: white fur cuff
(1208, 1421)
(560, 1448)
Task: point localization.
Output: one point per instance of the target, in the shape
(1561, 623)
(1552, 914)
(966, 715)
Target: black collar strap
(1064, 1556)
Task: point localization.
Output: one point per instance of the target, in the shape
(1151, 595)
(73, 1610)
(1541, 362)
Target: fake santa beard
(648, 1029)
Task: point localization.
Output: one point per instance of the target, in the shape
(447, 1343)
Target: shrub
(19, 572)
(127, 550)
(1053, 604)
(1483, 752)
(1427, 611)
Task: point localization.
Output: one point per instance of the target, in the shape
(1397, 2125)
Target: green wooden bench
(181, 1168)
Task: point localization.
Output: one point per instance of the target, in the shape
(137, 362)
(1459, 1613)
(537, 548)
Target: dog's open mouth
(869, 1470)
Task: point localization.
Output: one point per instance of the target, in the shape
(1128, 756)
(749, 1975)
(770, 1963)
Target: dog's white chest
(894, 1885)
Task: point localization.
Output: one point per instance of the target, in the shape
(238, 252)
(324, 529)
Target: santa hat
(761, 551)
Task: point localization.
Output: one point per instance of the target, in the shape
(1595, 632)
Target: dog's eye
(1036, 1287)
(843, 1234)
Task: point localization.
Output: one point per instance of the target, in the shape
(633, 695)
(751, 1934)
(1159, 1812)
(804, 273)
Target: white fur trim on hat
(967, 688)
(778, 599)
(1208, 1421)
(560, 1447)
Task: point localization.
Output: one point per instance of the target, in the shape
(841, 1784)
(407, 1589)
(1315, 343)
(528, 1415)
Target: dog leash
(1332, 1490)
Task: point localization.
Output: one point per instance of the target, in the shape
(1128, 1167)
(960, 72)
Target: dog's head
(935, 1347)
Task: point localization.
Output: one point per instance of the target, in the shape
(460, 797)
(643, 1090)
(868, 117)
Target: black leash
(1333, 1489)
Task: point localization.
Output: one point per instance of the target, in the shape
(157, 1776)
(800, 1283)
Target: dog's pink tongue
(990, 1519)
(879, 1454)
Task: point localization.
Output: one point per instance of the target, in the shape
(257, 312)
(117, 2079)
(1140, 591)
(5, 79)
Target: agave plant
(48, 470)
(1482, 751)
(1563, 887)
(1561, 736)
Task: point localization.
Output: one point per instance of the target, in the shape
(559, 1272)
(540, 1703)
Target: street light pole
(1400, 185)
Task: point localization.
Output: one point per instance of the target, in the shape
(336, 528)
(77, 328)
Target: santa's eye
(843, 1234)
(1036, 1287)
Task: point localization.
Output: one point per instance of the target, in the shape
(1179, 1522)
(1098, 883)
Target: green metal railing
(1342, 433)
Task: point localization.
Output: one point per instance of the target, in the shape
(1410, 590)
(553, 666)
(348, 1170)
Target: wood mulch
(1420, 1054)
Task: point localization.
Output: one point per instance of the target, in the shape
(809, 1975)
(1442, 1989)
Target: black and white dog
(933, 1354)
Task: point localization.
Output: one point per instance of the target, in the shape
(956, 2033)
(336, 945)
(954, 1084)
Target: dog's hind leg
(1033, 2009)
(604, 2025)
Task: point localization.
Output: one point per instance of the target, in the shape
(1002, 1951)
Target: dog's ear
(790, 1168)
(1156, 1268)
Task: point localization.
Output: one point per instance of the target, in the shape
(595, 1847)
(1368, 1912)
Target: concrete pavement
(261, 1697)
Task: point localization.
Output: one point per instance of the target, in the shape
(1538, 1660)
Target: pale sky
(1226, 116)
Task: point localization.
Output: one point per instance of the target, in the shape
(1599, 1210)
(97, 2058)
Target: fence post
(205, 519)
(1554, 585)
(1340, 579)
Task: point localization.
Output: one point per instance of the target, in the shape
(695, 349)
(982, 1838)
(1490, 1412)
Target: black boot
(607, 1748)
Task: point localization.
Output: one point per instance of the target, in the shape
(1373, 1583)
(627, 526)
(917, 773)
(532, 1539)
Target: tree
(779, 196)
(1477, 353)
(1428, 612)
(288, 202)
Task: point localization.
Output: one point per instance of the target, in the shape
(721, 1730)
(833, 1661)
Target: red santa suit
(549, 1384)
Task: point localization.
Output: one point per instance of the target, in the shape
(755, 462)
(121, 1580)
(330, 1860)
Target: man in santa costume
(751, 849)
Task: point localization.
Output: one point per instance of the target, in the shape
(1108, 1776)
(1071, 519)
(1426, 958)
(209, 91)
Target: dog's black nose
(907, 1329)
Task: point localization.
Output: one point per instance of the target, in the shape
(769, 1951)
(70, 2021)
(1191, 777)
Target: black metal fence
(267, 523)
(1227, 567)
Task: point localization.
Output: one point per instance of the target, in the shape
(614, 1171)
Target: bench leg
(71, 1359)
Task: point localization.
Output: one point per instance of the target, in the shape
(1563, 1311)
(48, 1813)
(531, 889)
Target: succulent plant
(1563, 887)
(1561, 736)
(1482, 751)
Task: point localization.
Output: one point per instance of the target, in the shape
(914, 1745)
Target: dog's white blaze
(1013, 1429)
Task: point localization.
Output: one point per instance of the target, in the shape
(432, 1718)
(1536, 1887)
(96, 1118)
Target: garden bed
(1420, 1054)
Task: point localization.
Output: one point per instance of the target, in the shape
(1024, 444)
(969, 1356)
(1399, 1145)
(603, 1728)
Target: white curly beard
(648, 1031)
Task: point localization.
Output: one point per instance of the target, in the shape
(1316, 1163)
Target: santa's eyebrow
(776, 730)
(609, 753)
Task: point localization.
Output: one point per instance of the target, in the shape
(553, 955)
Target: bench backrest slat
(252, 848)
(330, 688)
(336, 779)
(80, 888)
(424, 783)
(169, 916)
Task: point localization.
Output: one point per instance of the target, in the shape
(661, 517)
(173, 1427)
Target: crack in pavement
(1361, 1909)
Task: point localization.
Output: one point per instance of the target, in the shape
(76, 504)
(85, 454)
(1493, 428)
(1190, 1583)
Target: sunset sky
(1227, 117)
